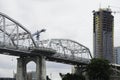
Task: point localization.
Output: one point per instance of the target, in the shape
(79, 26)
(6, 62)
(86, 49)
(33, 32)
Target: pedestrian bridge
(16, 40)
(58, 50)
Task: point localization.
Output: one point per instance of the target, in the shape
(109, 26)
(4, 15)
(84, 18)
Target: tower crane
(37, 34)
(114, 12)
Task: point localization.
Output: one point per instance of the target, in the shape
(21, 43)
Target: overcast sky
(68, 19)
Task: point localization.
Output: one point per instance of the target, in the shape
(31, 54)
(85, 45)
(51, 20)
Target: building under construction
(103, 34)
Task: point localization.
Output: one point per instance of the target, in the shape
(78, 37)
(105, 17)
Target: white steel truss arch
(13, 33)
(67, 47)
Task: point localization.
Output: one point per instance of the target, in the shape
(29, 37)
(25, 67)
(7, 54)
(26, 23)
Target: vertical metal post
(81, 52)
(29, 40)
(17, 35)
(4, 31)
(63, 49)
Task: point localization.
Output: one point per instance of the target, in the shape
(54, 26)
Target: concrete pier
(40, 67)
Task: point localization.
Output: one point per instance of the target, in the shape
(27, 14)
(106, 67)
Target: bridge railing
(10, 46)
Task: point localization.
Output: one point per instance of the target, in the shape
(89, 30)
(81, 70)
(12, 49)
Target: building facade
(117, 55)
(103, 34)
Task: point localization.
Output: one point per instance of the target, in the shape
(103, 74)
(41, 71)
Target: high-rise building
(103, 34)
(117, 55)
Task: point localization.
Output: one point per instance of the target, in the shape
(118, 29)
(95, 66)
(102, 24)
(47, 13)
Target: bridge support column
(40, 67)
(21, 69)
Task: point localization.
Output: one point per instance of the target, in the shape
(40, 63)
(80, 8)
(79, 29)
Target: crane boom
(37, 34)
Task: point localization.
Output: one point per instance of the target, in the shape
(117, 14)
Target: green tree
(69, 76)
(47, 78)
(99, 69)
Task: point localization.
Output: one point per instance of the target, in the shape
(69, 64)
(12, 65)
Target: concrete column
(40, 68)
(21, 69)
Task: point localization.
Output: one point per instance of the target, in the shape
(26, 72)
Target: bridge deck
(51, 55)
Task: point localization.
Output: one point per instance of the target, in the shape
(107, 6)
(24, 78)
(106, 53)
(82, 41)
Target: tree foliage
(69, 76)
(99, 69)
(47, 78)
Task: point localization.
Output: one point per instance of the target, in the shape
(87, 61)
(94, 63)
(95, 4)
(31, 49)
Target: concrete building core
(103, 34)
